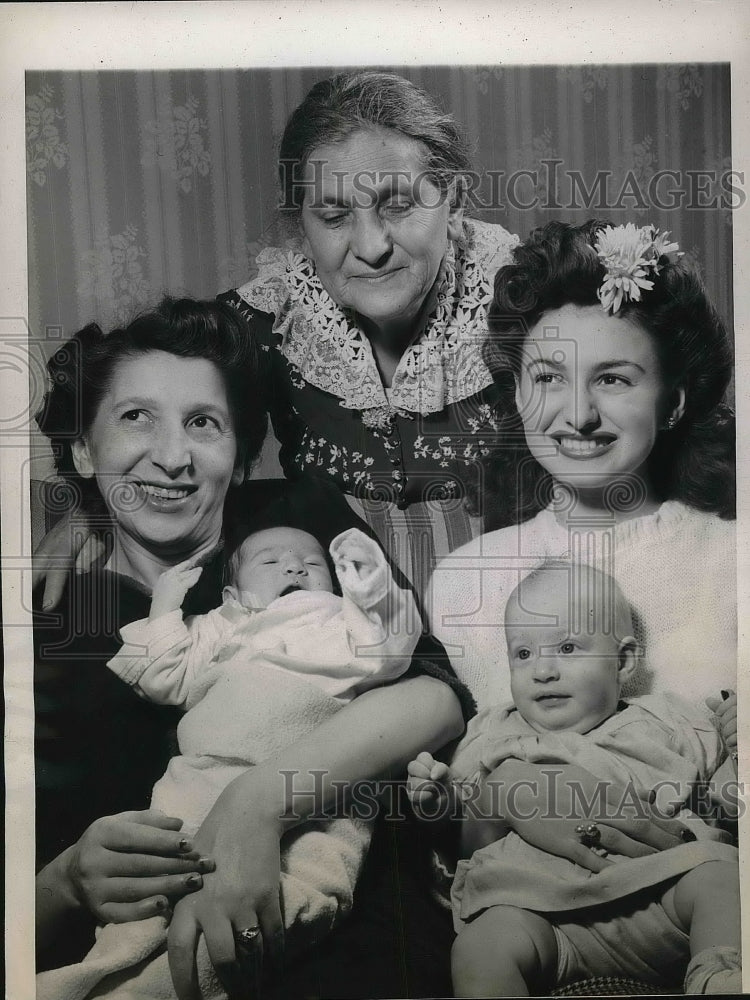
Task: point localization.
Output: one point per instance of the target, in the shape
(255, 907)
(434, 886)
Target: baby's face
(565, 666)
(280, 561)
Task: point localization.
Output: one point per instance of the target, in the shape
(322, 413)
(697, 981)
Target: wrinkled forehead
(368, 164)
(280, 540)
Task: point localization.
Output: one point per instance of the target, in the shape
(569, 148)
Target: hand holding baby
(725, 711)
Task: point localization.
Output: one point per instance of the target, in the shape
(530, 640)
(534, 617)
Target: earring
(672, 423)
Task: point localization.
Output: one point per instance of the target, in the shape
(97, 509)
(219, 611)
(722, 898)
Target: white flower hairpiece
(629, 255)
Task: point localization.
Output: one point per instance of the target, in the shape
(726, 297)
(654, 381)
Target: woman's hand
(124, 867)
(544, 804)
(242, 893)
(725, 710)
(60, 548)
(378, 733)
(132, 865)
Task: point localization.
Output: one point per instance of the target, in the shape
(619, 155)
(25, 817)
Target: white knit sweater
(676, 567)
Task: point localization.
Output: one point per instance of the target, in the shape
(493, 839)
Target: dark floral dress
(331, 413)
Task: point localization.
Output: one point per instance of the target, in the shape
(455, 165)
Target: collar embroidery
(329, 350)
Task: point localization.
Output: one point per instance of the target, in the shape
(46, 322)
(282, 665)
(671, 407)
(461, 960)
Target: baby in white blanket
(280, 655)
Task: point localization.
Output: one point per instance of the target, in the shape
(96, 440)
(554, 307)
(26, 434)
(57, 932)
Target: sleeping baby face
(276, 562)
(570, 647)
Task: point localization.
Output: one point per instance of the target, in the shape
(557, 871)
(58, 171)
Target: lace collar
(330, 351)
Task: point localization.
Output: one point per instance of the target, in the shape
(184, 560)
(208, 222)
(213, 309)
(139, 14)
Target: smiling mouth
(585, 447)
(379, 277)
(165, 494)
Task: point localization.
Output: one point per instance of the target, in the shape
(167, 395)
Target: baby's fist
(172, 586)
(360, 563)
(428, 785)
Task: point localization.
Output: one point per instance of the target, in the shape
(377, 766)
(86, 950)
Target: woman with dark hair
(374, 314)
(154, 479)
(619, 452)
(153, 426)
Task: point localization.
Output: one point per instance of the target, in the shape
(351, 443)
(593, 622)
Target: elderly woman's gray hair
(343, 104)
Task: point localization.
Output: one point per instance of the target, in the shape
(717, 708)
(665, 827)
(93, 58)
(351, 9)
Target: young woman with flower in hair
(619, 454)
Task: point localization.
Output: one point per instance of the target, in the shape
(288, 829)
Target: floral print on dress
(44, 146)
(113, 275)
(349, 466)
(175, 144)
(326, 345)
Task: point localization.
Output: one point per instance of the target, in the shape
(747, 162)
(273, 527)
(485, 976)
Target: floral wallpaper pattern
(588, 79)
(44, 145)
(685, 82)
(176, 144)
(143, 182)
(112, 272)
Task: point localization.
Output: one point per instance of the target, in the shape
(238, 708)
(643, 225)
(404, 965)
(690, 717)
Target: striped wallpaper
(145, 182)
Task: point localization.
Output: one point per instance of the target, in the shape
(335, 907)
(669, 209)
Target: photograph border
(268, 34)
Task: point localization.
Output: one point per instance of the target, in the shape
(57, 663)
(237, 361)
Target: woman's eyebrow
(620, 363)
(199, 407)
(328, 201)
(136, 401)
(537, 360)
(207, 408)
(374, 190)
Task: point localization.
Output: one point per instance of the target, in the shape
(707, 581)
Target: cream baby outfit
(611, 923)
(252, 682)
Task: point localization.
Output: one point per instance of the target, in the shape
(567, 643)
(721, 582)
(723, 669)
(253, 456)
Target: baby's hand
(429, 787)
(359, 561)
(725, 710)
(173, 585)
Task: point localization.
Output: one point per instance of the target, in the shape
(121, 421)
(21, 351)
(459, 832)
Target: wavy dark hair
(81, 371)
(346, 103)
(556, 266)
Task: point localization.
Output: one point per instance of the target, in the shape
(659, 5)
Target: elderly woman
(154, 424)
(376, 326)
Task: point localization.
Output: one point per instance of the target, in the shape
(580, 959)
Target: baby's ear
(628, 657)
(230, 593)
